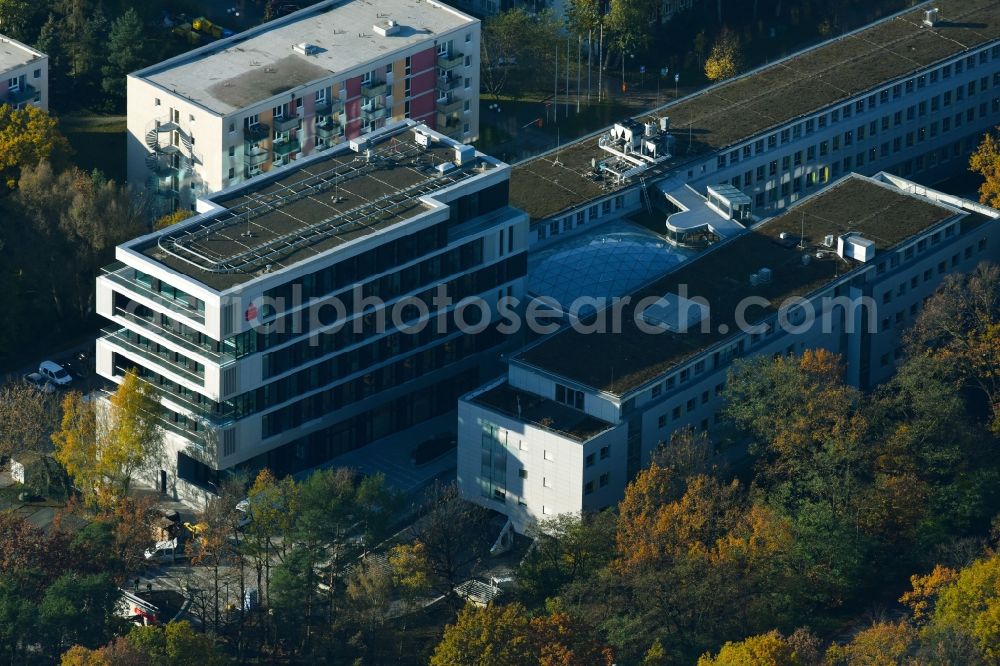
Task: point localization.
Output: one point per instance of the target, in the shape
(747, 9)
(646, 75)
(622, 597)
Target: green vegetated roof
(745, 107)
(620, 362)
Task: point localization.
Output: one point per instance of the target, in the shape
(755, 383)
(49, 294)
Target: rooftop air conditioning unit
(931, 17)
(854, 246)
(386, 28)
(423, 139)
(464, 154)
(828, 240)
(359, 145)
(664, 123)
(306, 49)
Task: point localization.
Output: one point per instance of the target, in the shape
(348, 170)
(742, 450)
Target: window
(676, 413)
(590, 460)
(657, 390)
(661, 422)
(604, 479)
(568, 396)
(37, 74)
(605, 452)
(692, 403)
(522, 473)
(588, 488)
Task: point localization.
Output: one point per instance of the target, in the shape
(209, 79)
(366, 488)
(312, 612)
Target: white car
(55, 373)
(163, 551)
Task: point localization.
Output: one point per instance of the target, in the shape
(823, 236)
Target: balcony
(256, 132)
(255, 157)
(446, 83)
(447, 121)
(123, 339)
(373, 111)
(369, 90)
(450, 60)
(329, 129)
(285, 123)
(24, 93)
(220, 358)
(288, 147)
(124, 276)
(449, 105)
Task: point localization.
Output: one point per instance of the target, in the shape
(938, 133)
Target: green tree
(960, 325)
(882, 643)
(175, 644)
(15, 18)
(28, 136)
(124, 55)
(78, 610)
(517, 51)
(970, 604)
(629, 22)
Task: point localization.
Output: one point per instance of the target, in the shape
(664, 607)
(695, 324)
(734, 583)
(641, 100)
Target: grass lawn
(98, 143)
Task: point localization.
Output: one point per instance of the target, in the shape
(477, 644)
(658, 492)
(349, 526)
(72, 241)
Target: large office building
(902, 95)
(630, 210)
(244, 105)
(297, 316)
(579, 412)
(24, 75)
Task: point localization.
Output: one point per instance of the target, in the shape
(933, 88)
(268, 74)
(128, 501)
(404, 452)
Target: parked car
(55, 373)
(39, 382)
(163, 551)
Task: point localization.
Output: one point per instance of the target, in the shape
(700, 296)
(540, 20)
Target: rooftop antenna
(247, 233)
(802, 230)
(556, 161)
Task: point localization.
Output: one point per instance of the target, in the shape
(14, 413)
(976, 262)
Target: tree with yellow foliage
(726, 58)
(28, 136)
(770, 649)
(171, 219)
(104, 447)
(986, 162)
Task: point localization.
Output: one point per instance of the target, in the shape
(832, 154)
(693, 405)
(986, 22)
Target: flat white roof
(239, 71)
(14, 54)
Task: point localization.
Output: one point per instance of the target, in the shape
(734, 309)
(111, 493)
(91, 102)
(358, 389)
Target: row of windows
(593, 212)
(314, 344)
(368, 385)
(869, 103)
(764, 173)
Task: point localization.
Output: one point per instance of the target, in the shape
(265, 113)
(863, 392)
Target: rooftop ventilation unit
(359, 145)
(664, 123)
(423, 139)
(828, 240)
(931, 17)
(675, 313)
(386, 28)
(854, 246)
(763, 276)
(464, 154)
(445, 167)
(306, 49)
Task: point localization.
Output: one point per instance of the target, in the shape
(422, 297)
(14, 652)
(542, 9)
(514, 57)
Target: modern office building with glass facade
(295, 317)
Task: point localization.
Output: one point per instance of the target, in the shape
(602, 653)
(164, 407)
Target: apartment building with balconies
(259, 100)
(24, 75)
(578, 412)
(295, 318)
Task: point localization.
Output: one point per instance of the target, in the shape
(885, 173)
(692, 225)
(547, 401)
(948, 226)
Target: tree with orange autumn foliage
(684, 559)
(505, 636)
